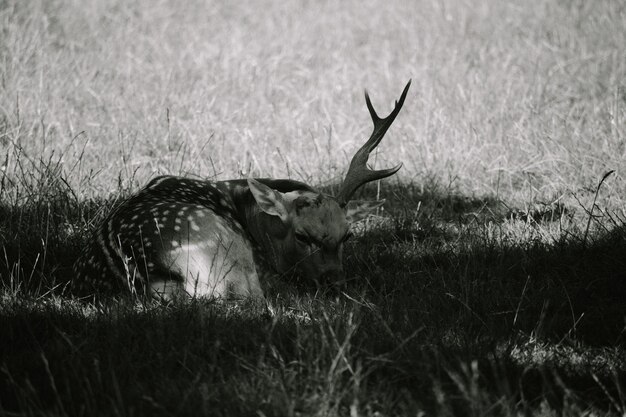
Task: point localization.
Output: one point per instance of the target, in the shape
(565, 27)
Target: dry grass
(494, 285)
(516, 99)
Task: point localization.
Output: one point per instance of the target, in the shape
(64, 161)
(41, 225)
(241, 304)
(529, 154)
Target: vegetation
(493, 283)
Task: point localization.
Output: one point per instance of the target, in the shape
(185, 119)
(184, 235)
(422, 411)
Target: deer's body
(181, 236)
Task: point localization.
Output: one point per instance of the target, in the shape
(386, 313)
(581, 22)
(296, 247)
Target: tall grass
(522, 99)
(493, 283)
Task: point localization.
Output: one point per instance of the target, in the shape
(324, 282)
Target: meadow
(492, 283)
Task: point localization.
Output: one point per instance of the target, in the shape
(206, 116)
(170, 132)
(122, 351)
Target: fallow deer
(186, 237)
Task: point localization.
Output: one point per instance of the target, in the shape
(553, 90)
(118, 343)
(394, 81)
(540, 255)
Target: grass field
(493, 283)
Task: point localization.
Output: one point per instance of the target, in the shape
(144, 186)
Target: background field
(493, 283)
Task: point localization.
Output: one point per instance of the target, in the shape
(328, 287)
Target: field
(493, 282)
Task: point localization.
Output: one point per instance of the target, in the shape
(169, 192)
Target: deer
(185, 237)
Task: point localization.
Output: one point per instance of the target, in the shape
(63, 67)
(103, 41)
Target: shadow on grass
(498, 267)
(205, 358)
(439, 255)
(443, 297)
(40, 241)
(122, 359)
(478, 278)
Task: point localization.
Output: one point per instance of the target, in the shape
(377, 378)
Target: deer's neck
(260, 227)
(246, 211)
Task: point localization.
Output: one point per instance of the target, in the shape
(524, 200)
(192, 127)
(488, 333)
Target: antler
(358, 173)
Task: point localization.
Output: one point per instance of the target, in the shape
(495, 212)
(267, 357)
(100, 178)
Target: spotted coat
(181, 235)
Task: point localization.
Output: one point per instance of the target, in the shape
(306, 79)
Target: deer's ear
(358, 210)
(270, 201)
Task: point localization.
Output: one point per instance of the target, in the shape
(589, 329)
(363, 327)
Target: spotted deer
(187, 237)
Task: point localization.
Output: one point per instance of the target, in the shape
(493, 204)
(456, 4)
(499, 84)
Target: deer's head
(305, 230)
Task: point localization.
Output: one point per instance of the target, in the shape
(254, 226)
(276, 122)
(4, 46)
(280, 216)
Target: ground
(492, 282)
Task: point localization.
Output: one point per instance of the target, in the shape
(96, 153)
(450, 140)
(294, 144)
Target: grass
(493, 283)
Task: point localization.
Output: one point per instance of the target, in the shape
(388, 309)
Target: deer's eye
(307, 240)
(302, 238)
